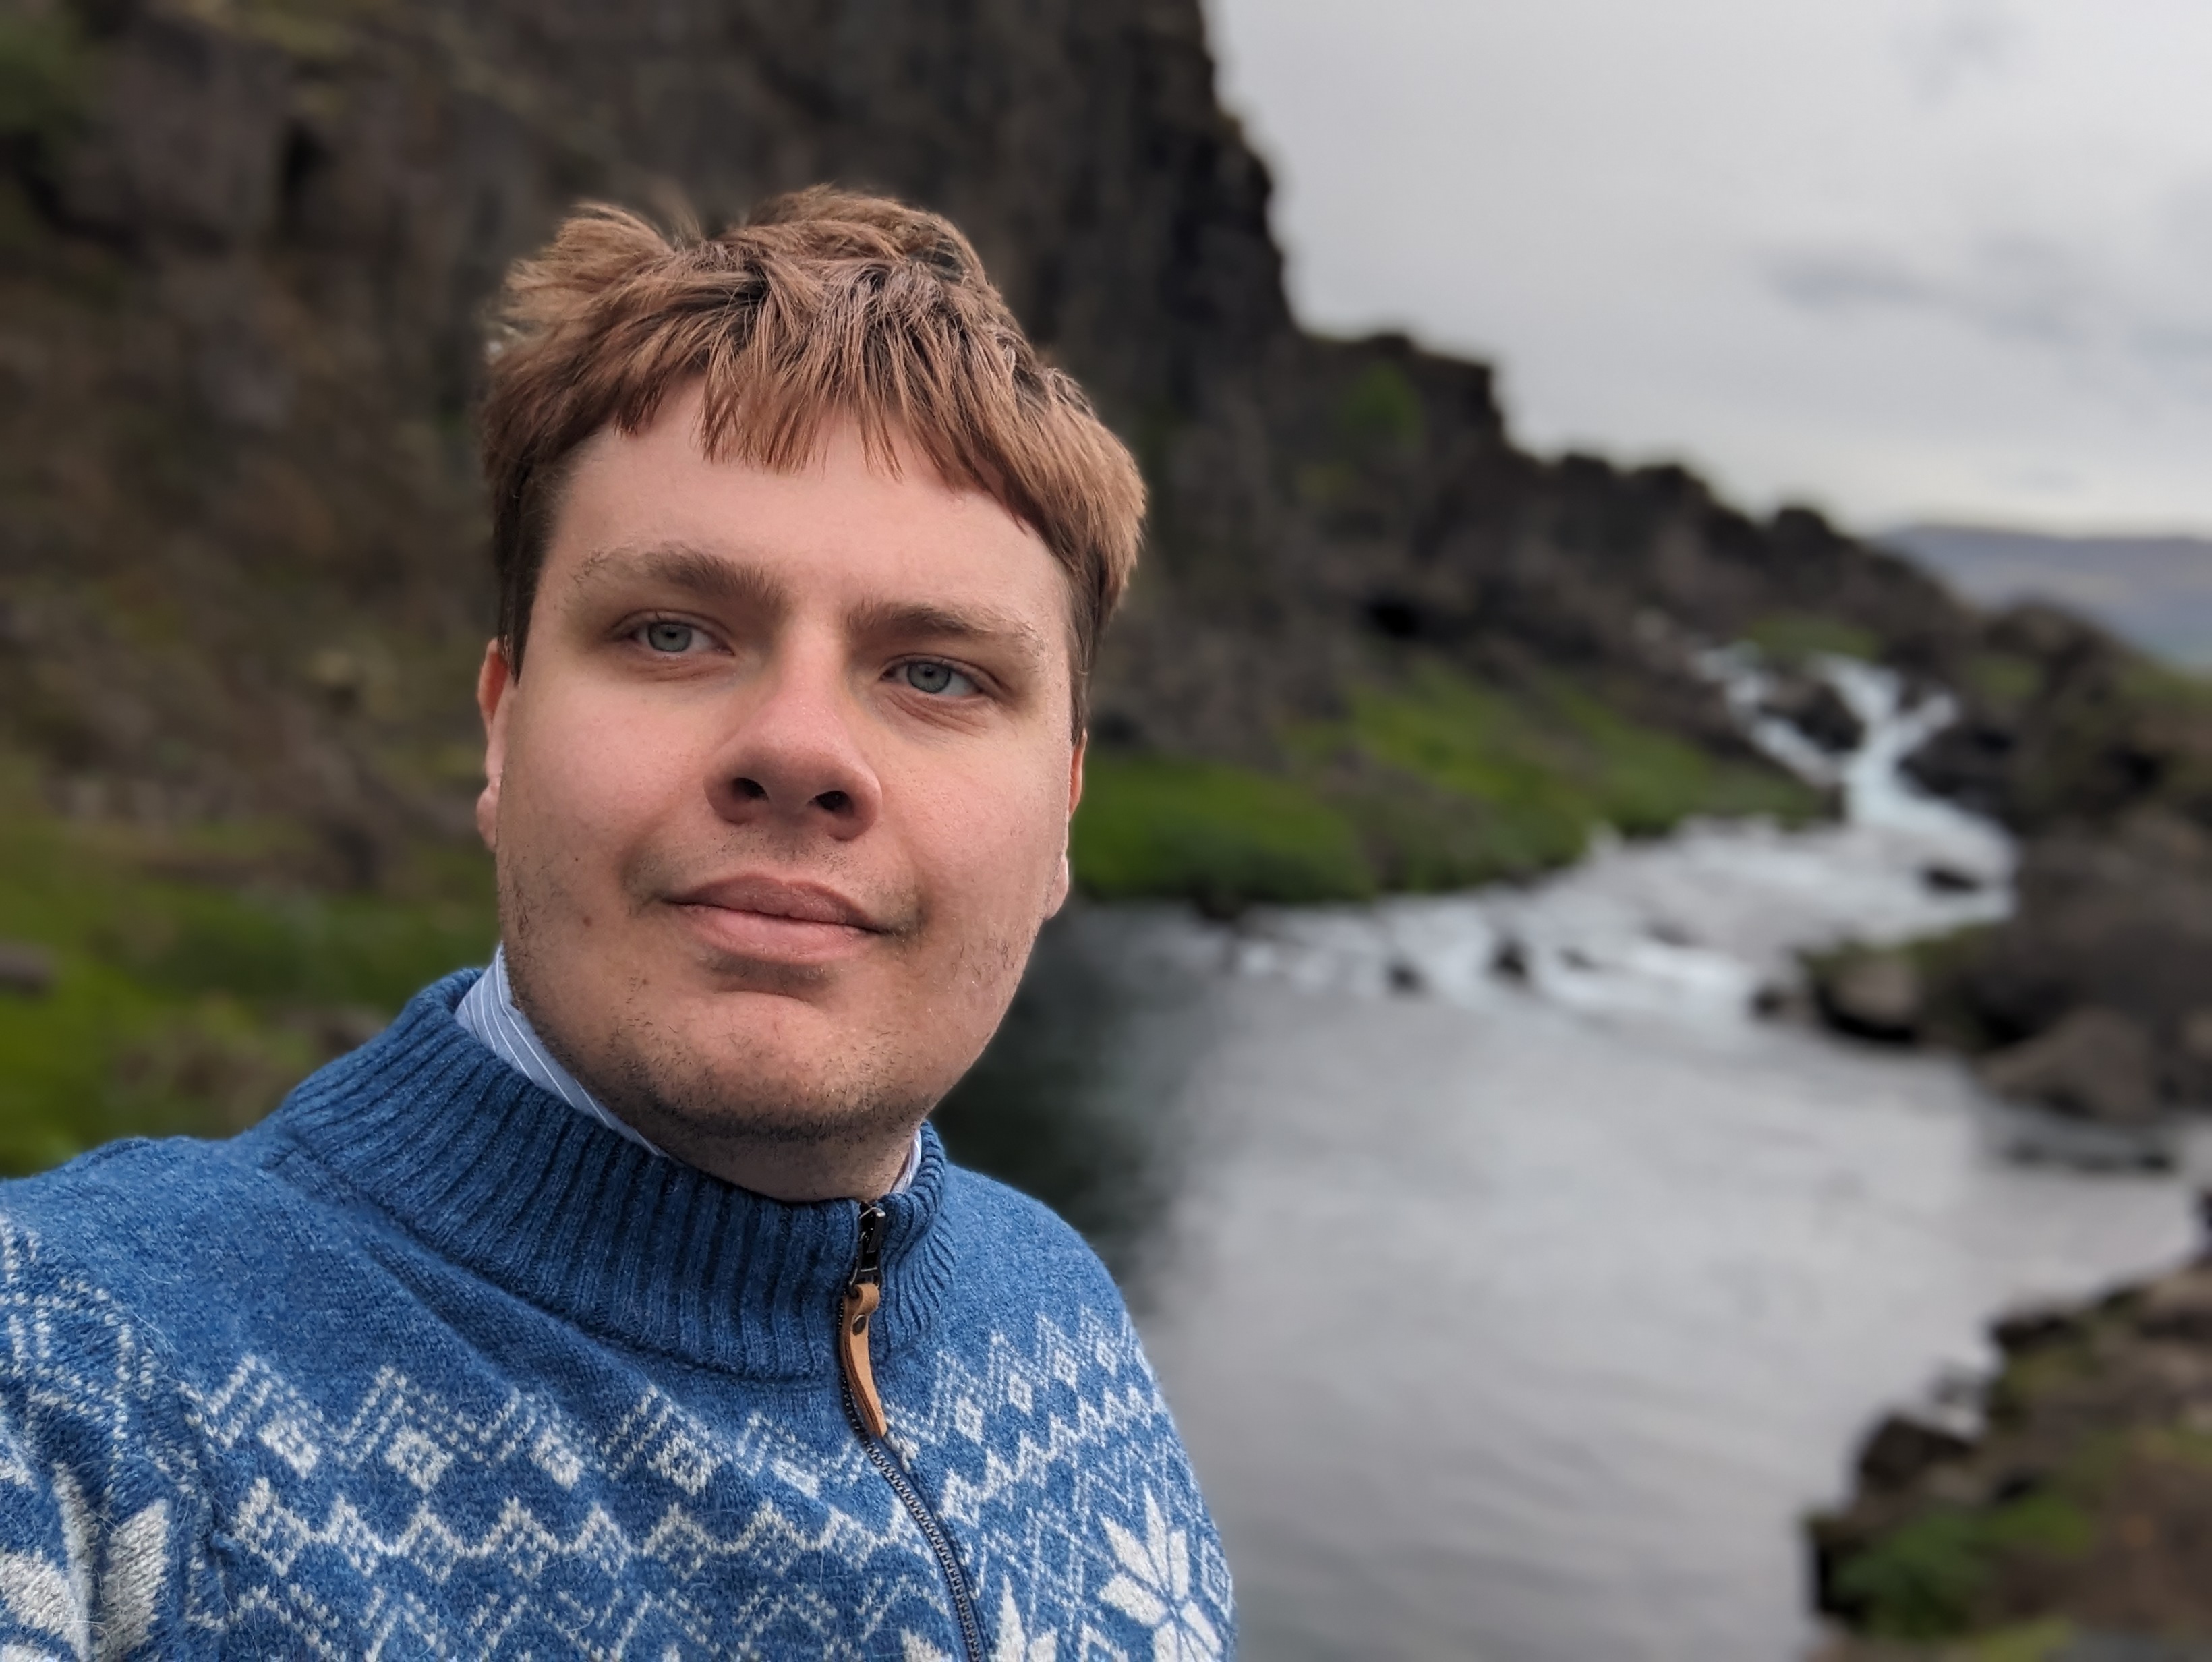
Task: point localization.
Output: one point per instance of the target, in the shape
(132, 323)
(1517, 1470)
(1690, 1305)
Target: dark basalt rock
(1902, 1450)
(2081, 1505)
(1816, 710)
(2063, 728)
(238, 333)
(2096, 1064)
(2091, 997)
(1871, 995)
(1949, 879)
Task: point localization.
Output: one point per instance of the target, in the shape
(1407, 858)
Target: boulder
(1816, 710)
(26, 971)
(2026, 1329)
(1940, 879)
(1781, 1001)
(2120, 922)
(1876, 995)
(2096, 1064)
(1901, 1449)
(2177, 1306)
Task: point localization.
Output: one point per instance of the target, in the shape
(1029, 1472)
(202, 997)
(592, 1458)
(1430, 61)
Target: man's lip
(774, 897)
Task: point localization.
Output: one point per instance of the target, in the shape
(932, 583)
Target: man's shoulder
(1008, 1231)
(143, 1217)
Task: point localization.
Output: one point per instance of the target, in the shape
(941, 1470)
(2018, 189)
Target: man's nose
(796, 760)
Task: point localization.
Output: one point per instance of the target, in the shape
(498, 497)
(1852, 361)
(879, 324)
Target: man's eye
(926, 675)
(665, 636)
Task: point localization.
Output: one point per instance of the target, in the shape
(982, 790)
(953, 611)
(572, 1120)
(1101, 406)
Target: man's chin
(729, 975)
(765, 1067)
(704, 1116)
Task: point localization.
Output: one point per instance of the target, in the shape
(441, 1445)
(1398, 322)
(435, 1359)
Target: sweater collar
(493, 1172)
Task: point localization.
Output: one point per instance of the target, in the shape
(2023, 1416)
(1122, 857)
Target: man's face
(779, 798)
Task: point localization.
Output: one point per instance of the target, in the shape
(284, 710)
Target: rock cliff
(242, 247)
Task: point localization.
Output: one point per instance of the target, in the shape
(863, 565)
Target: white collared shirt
(488, 1011)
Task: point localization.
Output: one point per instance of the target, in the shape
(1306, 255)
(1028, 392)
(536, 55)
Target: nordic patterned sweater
(429, 1364)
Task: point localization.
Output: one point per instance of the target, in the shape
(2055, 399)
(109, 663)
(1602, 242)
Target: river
(1517, 1286)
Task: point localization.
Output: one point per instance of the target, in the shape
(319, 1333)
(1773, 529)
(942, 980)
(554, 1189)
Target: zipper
(863, 1293)
(864, 1407)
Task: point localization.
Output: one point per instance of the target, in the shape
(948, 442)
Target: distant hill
(2153, 591)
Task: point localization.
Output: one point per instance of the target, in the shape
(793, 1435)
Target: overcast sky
(1901, 259)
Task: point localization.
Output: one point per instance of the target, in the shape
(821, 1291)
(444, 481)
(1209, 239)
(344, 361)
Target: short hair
(821, 306)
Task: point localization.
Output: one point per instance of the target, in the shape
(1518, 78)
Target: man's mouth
(756, 917)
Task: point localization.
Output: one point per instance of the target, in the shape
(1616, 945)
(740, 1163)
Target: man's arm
(74, 1583)
(99, 1485)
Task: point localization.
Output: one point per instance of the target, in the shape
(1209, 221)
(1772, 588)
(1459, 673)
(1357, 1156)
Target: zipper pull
(862, 1295)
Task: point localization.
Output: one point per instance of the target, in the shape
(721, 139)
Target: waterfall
(1692, 925)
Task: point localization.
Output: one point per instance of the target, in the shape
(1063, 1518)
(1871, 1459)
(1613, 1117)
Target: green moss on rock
(1382, 411)
(1794, 636)
(1925, 1579)
(45, 76)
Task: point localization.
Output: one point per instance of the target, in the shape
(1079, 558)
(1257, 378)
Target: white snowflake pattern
(1153, 1587)
(1015, 1644)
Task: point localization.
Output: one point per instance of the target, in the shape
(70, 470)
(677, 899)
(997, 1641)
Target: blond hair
(820, 306)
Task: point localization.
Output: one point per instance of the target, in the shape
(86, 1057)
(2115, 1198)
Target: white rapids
(1693, 925)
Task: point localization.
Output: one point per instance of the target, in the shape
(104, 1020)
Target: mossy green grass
(1173, 827)
(1545, 767)
(1432, 780)
(190, 1005)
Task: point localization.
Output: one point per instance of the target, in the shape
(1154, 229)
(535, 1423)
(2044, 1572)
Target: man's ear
(494, 682)
(1063, 879)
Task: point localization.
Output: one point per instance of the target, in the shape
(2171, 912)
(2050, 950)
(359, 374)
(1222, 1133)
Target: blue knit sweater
(428, 1364)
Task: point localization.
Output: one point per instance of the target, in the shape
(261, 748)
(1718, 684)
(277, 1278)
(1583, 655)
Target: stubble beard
(705, 1101)
(726, 1096)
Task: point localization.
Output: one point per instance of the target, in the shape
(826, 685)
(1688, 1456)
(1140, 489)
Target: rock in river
(2074, 1526)
(1871, 995)
(2096, 1064)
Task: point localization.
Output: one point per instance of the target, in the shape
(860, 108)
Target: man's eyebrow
(907, 618)
(710, 577)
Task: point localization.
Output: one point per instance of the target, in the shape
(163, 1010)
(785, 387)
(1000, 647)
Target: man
(618, 1301)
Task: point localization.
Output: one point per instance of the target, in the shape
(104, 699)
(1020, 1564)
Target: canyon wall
(243, 248)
